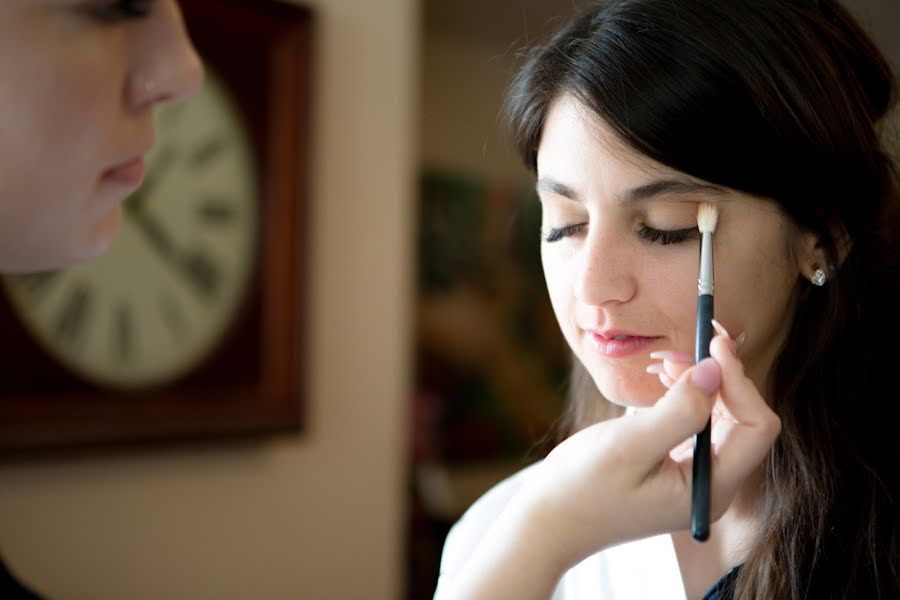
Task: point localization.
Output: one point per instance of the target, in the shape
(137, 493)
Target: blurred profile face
(79, 81)
(621, 255)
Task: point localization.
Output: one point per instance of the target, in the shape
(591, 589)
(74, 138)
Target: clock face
(171, 284)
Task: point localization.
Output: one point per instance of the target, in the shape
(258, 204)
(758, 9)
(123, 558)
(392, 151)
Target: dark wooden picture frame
(254, 381)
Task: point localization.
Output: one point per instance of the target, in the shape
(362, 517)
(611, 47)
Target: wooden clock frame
(254, 381)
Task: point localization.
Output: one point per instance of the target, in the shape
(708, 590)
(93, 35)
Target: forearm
(516, 560)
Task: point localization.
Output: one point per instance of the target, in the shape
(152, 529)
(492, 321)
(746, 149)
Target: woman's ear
(811, 254)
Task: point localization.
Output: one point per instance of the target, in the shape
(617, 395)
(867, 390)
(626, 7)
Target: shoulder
(471, 527)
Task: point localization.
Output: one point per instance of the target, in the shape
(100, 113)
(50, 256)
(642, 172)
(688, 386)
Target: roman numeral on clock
(215, 211)
(172, 316)
(207, 152)
(202, 272)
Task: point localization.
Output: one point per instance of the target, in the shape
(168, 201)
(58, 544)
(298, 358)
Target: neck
(731, 539)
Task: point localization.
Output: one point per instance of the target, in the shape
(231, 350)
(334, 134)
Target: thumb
(680, 413)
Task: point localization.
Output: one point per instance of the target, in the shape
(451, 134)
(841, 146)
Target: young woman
(773, 111)
(79, 82)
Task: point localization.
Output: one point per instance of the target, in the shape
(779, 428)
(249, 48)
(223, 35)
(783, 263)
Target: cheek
(754, 295)
(49, 186)
(62, 122)
(665, 284)
(60, 102)
(559, 275)
(669, 294)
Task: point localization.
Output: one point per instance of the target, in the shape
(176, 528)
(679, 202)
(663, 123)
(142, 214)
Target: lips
(619, 344)
(130, 172)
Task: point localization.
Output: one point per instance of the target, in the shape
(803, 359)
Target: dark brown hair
(782, 99)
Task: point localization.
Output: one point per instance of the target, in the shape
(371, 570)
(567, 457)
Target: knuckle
(736, 368)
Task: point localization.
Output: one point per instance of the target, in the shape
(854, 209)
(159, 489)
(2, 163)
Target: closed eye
(112, 11)
(661, 236)
(668, 236)
(557, 233)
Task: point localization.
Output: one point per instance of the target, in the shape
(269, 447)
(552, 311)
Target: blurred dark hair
(782, 99)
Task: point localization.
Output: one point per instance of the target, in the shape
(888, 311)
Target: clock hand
(137, 209)
(196, 267)
(157, 237)
(134, 205)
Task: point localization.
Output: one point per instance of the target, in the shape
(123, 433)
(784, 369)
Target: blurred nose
(606, 270)
(166, 67)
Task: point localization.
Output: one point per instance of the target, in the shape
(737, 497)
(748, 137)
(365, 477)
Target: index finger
(680, 413)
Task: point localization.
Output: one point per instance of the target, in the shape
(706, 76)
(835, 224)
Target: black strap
(724, 588)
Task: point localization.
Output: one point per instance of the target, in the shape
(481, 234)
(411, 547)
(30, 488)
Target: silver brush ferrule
(705, 282)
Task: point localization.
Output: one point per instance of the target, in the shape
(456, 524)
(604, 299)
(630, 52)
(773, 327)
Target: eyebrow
(663, 187)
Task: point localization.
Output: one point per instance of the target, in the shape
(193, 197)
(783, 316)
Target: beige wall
(315, 516)
(463, 83)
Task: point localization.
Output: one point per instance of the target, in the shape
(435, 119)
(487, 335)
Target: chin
(101, 236)
(84, 246)
(638, 390)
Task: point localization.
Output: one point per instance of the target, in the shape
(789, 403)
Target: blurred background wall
(403, 88)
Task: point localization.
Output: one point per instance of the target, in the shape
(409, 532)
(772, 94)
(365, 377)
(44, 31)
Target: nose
(606, 271)
(166, 66)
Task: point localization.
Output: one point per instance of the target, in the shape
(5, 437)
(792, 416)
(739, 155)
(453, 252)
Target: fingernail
(736, 343)
(706, 375)
(719, 329)
(655, 368)
(678, 357)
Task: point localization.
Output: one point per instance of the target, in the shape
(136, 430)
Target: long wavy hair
(783, 99)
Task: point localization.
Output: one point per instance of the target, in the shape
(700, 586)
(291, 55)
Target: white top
(645, 568)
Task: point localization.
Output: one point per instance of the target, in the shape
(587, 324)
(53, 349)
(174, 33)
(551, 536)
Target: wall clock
(164, 296)
(191, 326)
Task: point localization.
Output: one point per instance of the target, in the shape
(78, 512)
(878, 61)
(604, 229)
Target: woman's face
(79, 80)
(621, 257)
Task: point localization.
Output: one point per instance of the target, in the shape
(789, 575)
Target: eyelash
(557, 234)
(120, 10)
(666, 237)
(660, 236)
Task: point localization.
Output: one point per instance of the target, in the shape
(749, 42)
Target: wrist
(555, 521)
(516, 559)
(533, 530)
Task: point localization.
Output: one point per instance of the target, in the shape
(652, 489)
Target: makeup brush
(707, 216)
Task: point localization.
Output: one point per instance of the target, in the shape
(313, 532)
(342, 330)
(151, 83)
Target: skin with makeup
(623, 158)
(79, 83)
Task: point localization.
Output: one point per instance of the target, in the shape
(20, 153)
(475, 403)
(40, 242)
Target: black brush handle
(700, 492)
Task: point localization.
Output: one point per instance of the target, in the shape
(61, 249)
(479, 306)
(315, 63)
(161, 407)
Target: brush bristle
(707, 217)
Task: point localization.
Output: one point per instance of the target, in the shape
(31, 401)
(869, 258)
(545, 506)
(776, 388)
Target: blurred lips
(129, 173)
(619, 344)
